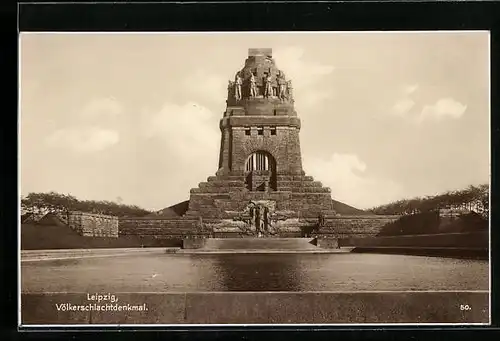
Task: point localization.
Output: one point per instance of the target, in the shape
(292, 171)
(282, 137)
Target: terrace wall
(93, 225)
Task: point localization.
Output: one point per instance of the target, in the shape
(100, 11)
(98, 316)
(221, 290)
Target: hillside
(176, 210)
(344, 209)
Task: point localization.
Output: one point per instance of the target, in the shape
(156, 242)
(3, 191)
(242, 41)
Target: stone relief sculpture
(258, 219)
(237, 87)
(253, 87)
(259, 216)
(230, 89)
(253, 217)
(281, 86)
(247, 86)
(266, 219)
(268, 88)
(289, 90)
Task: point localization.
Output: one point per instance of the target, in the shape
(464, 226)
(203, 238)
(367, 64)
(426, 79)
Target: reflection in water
(254, 272)
(368, 272)
(260, 272)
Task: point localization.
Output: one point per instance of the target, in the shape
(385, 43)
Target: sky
(134, 118)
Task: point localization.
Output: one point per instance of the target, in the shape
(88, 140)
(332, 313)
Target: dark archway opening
(260, 172)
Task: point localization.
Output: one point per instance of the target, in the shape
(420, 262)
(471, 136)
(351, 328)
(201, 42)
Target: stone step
(311, 197)
(226, 177)
(294, 184)
(222, 183)
(216, 189)
(230, 206)
(160, 226)
(311, 190)
(259, 244)
(213, 216)
(162, 231)
(198, 194)
(294, 178)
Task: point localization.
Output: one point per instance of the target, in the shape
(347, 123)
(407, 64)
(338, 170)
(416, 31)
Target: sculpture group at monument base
(334, 228)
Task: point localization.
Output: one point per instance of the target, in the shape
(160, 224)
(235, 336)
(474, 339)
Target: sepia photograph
(254, 178)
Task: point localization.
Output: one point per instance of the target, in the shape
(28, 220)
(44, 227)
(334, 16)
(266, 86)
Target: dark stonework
(260, 187)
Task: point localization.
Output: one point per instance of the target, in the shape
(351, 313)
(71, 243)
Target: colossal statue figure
(281, 86)
(253, 88)
(237, 87)
(289, 90)
(230, 89)
(268, 88)
(266, 219)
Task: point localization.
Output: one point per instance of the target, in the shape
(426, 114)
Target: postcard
(254, 178)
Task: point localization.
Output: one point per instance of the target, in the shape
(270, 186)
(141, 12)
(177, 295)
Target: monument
(260, 188)
(260, 180)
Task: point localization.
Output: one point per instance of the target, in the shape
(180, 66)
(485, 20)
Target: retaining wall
(335, 227)
(344, 226)
(160, 227)
(478, 239)
(93, 225)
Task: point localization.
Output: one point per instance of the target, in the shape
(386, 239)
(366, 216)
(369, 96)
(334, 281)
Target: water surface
(254, 272)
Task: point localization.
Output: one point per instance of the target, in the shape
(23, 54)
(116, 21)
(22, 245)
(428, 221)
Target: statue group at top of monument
(282, 90)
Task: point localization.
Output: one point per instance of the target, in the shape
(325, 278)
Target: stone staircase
(223, 193)
(297, 244)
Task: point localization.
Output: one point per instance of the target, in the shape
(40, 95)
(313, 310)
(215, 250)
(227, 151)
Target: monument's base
(337, 227)
(251, 243)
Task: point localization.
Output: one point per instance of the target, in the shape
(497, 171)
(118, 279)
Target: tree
(65, 203)
(474, 198)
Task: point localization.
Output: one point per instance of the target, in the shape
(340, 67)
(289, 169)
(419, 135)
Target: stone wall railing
(478, 239)
(160, 227)
(93, 225)
(335, 227)
(359, 226)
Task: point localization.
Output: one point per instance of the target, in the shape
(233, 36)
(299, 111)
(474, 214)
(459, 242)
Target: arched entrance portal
(260, 172)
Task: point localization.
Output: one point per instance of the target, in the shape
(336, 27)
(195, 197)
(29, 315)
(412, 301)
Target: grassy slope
(176, 210)
(344, 209)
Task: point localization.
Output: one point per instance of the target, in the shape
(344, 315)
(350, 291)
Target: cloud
(189, 130)
(442, 109)
(108, 106)
(409, 89)
(305, 75)
(345, 175)
(90, 139)
(205, 85)
(187, 139)
(403, 106)
(308, 99)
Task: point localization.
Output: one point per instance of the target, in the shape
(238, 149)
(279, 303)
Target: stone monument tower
(260, 173)
(259, 188)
